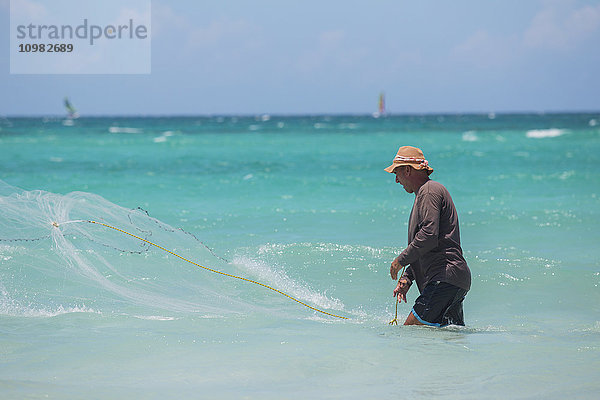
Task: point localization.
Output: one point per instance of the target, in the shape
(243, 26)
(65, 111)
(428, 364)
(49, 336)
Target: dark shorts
(440, 304)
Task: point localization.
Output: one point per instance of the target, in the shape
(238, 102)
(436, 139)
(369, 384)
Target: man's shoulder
(433, 187)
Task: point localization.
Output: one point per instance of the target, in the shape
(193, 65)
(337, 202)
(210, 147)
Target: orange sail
(381, 103)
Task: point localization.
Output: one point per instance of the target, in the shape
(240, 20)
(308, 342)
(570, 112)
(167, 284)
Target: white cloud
(32, 11)
(236, 33)
(327, 43)
(478, 43)
(331, 39)
(164, 19)
(220, 39)
(484, 50)
(331, 51)
(139, 16)
(555, 27)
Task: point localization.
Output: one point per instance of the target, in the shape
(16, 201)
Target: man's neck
(420, 181)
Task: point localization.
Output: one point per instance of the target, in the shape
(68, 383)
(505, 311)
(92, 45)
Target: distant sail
(72, 112)
(381, 103)
(381, 108)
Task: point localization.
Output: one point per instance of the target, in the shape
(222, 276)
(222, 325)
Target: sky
(250, 57)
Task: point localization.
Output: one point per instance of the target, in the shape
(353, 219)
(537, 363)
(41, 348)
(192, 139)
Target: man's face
(402, 178)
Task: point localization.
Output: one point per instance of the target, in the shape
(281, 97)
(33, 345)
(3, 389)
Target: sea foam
(545, 133)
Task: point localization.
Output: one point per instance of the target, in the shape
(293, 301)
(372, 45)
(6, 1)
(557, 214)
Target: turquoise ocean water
(301, 204)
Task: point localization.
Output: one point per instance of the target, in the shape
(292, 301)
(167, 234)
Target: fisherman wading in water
(433, 257)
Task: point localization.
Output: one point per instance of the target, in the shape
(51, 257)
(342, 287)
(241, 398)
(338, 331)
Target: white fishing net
(53, 259)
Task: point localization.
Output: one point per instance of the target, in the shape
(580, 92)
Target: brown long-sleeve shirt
(434, 252)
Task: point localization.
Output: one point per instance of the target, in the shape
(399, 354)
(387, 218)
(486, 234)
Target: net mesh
(53, 259)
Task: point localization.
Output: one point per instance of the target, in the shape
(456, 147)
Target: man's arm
(426, 238)
(396, 266)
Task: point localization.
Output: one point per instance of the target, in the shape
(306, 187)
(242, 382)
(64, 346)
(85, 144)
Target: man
(433, 258)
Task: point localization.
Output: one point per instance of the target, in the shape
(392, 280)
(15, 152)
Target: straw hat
(408, 155)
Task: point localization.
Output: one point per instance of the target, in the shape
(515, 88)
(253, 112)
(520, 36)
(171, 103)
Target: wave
(470, 136)
(545, 133)
(55, 259)
(118, 129)
(13, 308)
(278, 278)
(163, 137)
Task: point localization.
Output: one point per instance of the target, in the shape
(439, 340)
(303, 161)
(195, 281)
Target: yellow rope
(395, 320)
(212, 270)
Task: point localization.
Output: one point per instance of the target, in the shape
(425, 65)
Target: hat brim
(392, 167)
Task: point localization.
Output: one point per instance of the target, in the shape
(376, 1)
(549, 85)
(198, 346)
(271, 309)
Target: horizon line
(284, 115)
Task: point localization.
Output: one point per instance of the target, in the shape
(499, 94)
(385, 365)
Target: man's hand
(401, 289)
(395, 268)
